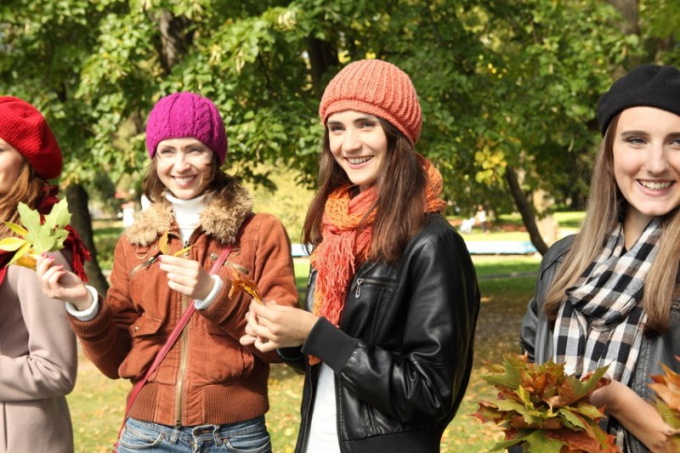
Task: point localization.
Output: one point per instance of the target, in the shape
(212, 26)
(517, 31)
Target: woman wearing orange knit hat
(386, 341)
(38, 355)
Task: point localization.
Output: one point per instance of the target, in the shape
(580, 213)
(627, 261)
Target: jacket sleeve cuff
(217, 287)
(89, 313)
(330, 344)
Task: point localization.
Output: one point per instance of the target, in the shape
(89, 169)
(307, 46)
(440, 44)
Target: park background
(508, 90)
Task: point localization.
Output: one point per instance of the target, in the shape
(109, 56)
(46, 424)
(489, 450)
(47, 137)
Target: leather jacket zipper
(361, 281)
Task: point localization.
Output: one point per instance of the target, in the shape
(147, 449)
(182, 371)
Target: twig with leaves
(35, 236)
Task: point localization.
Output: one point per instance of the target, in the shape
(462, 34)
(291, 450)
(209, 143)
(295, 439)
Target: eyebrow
(366, 117)
(626, 134)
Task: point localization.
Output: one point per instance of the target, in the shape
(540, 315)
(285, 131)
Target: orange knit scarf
(344, 248)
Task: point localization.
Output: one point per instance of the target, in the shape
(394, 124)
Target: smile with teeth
(184, 179)
(359, 160)
(655, 185)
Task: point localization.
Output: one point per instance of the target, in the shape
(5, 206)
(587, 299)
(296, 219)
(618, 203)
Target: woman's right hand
(58, 283)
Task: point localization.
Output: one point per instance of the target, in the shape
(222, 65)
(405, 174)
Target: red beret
(25, 129)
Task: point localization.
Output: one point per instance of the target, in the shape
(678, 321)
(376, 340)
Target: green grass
(97, 402)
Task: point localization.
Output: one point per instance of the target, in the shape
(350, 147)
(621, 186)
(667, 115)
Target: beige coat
(38, 366)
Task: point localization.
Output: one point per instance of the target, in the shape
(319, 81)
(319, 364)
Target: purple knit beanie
(185, 114)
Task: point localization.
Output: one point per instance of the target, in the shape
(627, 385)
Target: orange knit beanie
(378, 88)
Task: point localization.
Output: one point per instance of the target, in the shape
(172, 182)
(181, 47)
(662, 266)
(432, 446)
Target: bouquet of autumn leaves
(540, 408)
(35, 236)
(667, 402)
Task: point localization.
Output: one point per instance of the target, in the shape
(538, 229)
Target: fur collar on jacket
(221, 219)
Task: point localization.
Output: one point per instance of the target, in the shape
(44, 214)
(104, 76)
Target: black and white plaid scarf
(600, 322)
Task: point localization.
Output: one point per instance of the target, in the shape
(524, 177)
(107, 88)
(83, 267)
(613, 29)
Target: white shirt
(323, 432)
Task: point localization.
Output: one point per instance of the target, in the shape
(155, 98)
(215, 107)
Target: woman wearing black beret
(608, 295)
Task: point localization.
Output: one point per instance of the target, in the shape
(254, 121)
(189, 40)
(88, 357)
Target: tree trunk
(80, 220)
(322, 55)
(174, 39)
(525, 210)
(629, 12)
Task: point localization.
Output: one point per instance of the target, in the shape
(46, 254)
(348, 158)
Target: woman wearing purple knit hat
(196, 388)
(38, 355)
(608, 296)
(387, 338)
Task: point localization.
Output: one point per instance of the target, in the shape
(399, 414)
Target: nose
(657, 161)
(181, 163)
(351, 141)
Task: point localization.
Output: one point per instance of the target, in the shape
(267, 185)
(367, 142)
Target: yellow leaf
(245, 284)
(163, 243)
(11, 244)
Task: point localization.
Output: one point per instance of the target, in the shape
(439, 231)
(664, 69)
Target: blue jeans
(250, 436)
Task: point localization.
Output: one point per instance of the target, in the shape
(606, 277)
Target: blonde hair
(605, 209)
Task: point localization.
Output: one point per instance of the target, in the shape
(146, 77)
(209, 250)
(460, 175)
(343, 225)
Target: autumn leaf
(243, 283)
(667, 400)
(36, 234)
(164, 247)
(542, 408)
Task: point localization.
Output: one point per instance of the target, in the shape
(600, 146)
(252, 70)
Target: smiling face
(11, 161)
(358, 144)
(184, 166)
(646, 162)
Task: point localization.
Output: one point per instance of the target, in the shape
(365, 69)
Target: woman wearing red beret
(38, 360)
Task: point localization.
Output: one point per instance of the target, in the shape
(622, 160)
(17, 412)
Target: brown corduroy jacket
(207, 377)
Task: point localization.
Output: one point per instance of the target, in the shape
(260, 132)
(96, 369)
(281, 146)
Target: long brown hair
(27, 189)
(218, 182)
(605, 209)
(401, 196)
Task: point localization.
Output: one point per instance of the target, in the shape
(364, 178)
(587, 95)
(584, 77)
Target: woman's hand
(186, 276)
(58, 283)
(271, 326)
(635, 414)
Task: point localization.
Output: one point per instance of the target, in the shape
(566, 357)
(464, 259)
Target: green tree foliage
(508, 87)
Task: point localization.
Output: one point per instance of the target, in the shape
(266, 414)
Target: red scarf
(73, 245)
(344, 248)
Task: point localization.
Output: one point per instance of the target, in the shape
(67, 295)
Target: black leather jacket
(536, 336)
(403, 353)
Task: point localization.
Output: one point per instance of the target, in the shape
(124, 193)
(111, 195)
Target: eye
(335, 128)
(635, 140)
(367, 124)
(166, 152)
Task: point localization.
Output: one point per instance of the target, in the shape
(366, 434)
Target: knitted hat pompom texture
(24, 128)
(184, 115)
(647, 85)
(378, 88)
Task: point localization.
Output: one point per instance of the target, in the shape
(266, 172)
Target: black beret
(648, 85)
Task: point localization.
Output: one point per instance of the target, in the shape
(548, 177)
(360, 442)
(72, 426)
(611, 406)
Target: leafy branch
(542, 409)
(36, 236)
